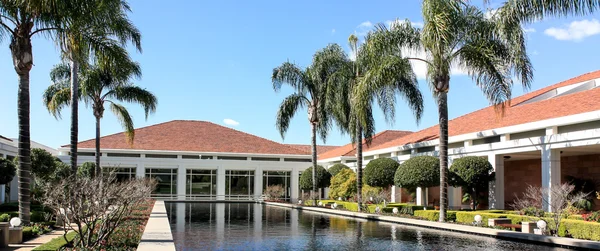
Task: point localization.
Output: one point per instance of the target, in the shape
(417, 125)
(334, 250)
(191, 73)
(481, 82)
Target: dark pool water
(249, 226)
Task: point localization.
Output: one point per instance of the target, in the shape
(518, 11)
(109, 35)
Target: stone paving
(33, 243)
(157, 235)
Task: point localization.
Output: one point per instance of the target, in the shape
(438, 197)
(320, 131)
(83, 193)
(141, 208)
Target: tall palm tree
(100, 26)
(107, 81)
(456, 34)
(372, 74)
(311, 91)
(21, 20)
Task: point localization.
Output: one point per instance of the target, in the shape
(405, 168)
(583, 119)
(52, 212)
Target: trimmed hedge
(322, 176)
(4, 217)
(434, 215)
(580, 229)
(404, 208)
(468, 217)
(56, 243)
(348, 205)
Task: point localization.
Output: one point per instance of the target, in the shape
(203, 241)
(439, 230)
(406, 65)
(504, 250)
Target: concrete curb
(497, 233)
(157, 234)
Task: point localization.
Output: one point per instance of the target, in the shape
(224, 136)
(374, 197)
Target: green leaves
(471, 172)
(8, 170)
(335, 169)
(380, 172)
(343, 184)
(322, 177)
(420, 171)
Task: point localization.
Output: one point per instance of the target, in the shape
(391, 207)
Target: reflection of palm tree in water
(359, 237)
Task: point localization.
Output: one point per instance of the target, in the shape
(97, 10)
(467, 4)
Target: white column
(2, 193)
(393, 194)
(220, 219)
(421, 196)
(258, 182)
(181, 180)
(550, 173)
(140, 170)
(454, 197)
(220, 183)
(258, 214)
(295, 195)
(294, 223)
(496, 187)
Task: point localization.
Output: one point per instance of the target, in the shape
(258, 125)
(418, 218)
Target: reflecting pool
(250, 226)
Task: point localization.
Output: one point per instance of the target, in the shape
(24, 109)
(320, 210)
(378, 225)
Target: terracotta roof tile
(196, 136)
(378, 139)
(518, 113)
(308, 148)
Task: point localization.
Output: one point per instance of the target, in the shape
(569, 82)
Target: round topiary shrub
(380, 172)
(322, 176)
(335, 169)
(8, 170)
(473, 174)
(421, 171)
(343, 184)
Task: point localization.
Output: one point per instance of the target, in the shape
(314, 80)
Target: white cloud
(490, 13)
(575, 31)
(529, 30)
(231, 122)
(332, 31)
(362, 29)
(366, 24)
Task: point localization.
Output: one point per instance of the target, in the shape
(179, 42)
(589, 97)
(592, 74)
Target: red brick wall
(518, 175)
(433, 196)
(582, 166)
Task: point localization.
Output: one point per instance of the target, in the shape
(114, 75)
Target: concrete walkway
(504, 234)
(35, 242)
(157, 234)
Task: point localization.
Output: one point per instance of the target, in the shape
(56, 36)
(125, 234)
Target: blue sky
(212, 60)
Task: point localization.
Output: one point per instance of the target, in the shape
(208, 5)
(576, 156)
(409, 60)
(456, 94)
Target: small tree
(380, 172)
(335, 169)
(322, 177)
(343, 184)
(86, 170)
(473, 174)
(8, 170)
(421, 171)
(562, 196)
(86, 202)
(275, 192)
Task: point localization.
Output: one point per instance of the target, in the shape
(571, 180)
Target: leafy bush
(380, 172)
(405, 208)
(335, 169)
(86, 170)
(322, 176)
(421, 171)
(343, 185)
(43, 164)
(275, 192)
(9, 207)
(533, 211)
(580, 229)
(433, 215)
(4, 217)
(473, 174)
(594, 217)
(8, 170)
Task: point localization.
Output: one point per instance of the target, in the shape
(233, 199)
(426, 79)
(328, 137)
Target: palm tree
(311, 91)
(532, 10)
(373, 74)
(101, 26)
(21, 20)
(107, 81)
(456, 34)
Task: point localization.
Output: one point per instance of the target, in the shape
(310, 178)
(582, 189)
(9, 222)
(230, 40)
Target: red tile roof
(308, 148)
(487, 118)
(195, 136)
(378, 139)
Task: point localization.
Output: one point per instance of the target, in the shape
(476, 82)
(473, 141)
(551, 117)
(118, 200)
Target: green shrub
(433, 215)
(473, 174)
(322, 176)
(594, 217)
(9, 207)
(468, 217)
(56, 243)
(380, 172)
(337, 168)
(576, 217)
(343, 185)
(28, 233)
(86, 170)
(580, 229)
(4, 217)
(37, 216)
(8, 170)
(404, 208)
(421, 171)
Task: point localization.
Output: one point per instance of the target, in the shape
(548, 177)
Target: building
(543, 138)
(196, 160)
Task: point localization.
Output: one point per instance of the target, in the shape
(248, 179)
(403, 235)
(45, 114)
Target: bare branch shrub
(94, 207)
(558, 198)
(275, 192)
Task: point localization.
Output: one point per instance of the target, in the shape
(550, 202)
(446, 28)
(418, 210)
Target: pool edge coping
(491, 232)
(157, 233)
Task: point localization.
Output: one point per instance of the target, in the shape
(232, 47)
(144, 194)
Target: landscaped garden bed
(41, 219)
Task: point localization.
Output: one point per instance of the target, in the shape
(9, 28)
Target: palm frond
(135, 94)
(125, 119)
(533, 10)
(56, 97)
(287, 110)
(291, 74)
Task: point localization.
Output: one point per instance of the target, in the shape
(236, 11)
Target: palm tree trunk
(443, 122)
(98, 169)
(24, 148)
(359, 165)
(74, 112)
(314, 161)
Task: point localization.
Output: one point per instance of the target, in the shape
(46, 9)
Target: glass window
(273, 178)
(201, 182)
(166, 178)
(123, 173)
(239, 182)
